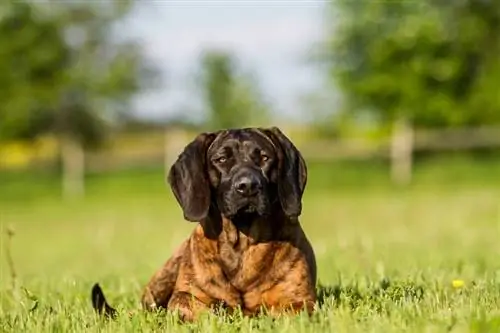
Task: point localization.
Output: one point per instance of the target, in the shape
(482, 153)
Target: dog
(243, 187)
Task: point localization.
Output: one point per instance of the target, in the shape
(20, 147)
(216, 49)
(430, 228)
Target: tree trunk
(401, 152)
(73, 168)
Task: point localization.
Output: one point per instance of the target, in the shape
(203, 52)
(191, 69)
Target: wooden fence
(162, 148)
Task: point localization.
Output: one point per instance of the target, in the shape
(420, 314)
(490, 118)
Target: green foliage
(434, 62)
(218, 84)
(248, 102)
(232, 99)
(33, 57)
(64, 69)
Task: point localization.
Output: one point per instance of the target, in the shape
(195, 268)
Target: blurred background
(395, 106)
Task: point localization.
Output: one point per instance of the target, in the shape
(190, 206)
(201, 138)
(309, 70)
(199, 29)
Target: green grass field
(386, 256)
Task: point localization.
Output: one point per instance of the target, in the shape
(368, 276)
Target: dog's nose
(248, 185)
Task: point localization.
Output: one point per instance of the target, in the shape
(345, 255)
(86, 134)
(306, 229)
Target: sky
(271, 39)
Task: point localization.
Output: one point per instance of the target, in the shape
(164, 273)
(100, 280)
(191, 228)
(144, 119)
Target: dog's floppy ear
(188, 178)
(292, 173)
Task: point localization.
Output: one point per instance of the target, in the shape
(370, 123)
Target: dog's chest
(242, 259)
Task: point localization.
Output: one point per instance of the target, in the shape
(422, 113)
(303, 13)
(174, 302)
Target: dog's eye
(264, 157)
(221, 159)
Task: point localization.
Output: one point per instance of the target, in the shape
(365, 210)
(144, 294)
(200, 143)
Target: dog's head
(239, 172)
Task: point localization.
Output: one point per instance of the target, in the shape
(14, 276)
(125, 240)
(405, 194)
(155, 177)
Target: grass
(387, 257)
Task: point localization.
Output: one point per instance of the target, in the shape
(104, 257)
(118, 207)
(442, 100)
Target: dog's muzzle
(247, 193)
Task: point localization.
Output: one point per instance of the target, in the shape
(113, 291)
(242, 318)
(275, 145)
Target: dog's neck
(249, 229)
(258, 228)
(244, 221)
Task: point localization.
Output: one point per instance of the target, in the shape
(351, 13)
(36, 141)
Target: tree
(33, 56)
(232, 99)
(67, 74)
(248, 100)
(433, 63)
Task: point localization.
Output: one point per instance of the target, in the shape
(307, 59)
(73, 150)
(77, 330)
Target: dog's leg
(295, 291)
(188, 306)
(100, 304)
(289, 297)
(159, 289)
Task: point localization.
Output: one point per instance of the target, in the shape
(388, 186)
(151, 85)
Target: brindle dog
(248, 250)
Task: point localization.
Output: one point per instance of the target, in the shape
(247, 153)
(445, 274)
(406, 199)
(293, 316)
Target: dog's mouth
(257, 208)
(247, 209)
(247, 213)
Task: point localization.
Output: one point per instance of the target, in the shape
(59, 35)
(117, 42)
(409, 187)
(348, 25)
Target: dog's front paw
(182, 304)
(185, 314)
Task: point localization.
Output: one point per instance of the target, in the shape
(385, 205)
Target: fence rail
(157, 148)
(424, 140)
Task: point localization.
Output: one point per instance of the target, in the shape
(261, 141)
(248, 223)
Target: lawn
(388, 258)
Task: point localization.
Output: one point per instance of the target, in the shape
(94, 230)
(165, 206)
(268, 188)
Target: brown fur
(266, 264)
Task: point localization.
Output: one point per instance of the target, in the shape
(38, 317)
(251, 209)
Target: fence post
(73, 167)
(402, 141)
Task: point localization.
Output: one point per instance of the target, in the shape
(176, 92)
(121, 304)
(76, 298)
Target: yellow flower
(458, 283)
